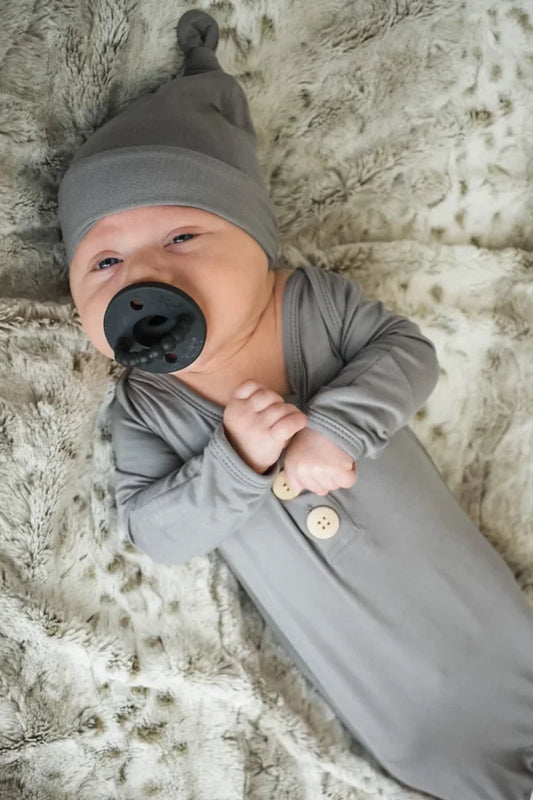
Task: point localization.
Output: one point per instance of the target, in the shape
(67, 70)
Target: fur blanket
(395, 138)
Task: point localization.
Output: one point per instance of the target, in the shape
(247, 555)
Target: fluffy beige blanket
(396, 139)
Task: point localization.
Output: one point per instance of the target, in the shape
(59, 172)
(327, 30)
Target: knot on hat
(196, 28)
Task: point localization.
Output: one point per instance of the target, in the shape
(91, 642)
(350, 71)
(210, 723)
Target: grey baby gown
(386, 595)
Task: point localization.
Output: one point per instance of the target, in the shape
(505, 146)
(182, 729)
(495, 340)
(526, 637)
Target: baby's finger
(246, 389)
(309, 483)
(317, 488)
(347, 478)
(288, 424)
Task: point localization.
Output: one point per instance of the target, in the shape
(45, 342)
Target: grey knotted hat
(191, 143)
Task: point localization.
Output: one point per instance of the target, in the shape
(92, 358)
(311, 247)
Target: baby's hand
(258, 424)
(315, 463)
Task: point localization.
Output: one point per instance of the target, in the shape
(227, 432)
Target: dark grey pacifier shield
(155, 327)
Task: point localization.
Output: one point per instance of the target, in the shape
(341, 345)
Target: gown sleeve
(390, 370)
(172, 509)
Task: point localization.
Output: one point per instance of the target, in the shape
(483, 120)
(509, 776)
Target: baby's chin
(101, 344)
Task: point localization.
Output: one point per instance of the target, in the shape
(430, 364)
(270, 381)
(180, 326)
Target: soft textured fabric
(396, 142)
(192, 143)
(407, 620)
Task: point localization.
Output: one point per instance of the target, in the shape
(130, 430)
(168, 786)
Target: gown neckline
(195, 398)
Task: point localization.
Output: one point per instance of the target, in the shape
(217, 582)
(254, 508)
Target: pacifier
(155, 327)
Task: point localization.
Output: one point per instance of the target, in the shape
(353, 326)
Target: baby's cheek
(92, 322)
(104, 348)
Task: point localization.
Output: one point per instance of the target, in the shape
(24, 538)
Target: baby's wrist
(260, 469)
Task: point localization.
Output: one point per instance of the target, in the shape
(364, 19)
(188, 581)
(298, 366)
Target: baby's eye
(192, 235)
(112, 258)
(103, 261)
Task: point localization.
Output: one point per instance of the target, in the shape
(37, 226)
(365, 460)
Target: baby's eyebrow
(113, 236)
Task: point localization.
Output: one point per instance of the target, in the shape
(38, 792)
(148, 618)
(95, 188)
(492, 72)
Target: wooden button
(323, 522)
(281, 488)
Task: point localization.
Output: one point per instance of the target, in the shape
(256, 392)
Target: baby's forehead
(148, 217)
(132, 217)
(140, 221)
(158, 215)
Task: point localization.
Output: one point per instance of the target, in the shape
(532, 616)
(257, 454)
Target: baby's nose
(147, 266)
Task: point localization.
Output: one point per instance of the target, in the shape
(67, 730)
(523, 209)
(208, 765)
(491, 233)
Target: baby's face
(215, 262)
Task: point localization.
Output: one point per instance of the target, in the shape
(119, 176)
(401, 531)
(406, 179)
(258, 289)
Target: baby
(242, 366)
(385, 594)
